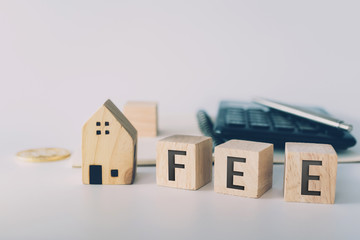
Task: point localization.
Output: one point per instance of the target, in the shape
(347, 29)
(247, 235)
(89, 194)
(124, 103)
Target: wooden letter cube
(310, 173)
(143, 115)
(184, 162)
(243, 168)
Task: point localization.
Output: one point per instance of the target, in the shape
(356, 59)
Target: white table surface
(49, 201)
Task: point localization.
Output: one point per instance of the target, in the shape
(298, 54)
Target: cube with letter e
(310, 173)
(243, 168)
(184, 161)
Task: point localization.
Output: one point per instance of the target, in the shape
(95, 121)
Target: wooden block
(310, 173)
(108, 147)
(184, 161)
(243, 168)
(144, 117)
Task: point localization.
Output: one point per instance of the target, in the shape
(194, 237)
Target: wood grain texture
(144, 117)
(295, 154)
(257, 168)
(113, 147)
(197, 162)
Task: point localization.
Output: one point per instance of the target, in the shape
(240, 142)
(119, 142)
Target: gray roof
(120, 117)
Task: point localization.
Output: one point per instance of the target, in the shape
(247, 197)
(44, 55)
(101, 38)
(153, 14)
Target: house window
(114, 173)
(98, 132)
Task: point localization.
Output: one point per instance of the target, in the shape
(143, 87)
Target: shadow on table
(347, 195)
(145, 177)
(273, 193)
(347, 191)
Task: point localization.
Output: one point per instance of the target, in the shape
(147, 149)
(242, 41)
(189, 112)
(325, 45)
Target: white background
(60, 60)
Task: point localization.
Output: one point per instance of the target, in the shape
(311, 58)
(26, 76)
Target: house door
(95, 173)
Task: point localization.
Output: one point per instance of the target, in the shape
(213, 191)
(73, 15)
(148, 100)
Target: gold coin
(43, 154)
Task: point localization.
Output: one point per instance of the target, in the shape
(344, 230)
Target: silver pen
(304, 113)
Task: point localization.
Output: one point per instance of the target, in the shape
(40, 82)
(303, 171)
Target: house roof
(120, 117)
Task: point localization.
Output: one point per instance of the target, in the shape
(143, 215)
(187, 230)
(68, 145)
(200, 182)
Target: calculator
(253, 122)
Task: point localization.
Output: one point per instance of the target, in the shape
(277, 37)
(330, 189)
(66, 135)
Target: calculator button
(236, 122)
(282, 123)
(258, 119)
(235, 117)
(287, 128)
(259, 125)
(307, 127)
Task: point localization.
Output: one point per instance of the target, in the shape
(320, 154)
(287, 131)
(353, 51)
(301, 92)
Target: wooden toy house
(108, 147)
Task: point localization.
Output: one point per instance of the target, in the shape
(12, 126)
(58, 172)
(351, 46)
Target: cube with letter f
(310, 173)
(243, 168)
(184, 161)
